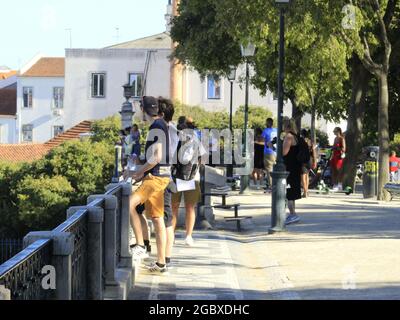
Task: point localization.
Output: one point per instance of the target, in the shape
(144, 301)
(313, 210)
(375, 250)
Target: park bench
(393, 189)
(224, 193)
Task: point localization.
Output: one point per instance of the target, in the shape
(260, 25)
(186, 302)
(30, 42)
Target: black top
(293, 166)
(158, 132)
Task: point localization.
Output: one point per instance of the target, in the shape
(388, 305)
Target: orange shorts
(151, 193)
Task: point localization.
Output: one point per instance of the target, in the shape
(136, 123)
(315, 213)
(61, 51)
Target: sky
(30, 27)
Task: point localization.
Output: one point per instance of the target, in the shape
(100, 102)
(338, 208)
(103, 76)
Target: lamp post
(247, 52)
(279, 173)
(127, 114)
(231, 78)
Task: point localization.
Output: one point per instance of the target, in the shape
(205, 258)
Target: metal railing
(9, 248)
(22, 274)
(99, 243)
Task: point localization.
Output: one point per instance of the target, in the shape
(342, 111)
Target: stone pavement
(344, 248)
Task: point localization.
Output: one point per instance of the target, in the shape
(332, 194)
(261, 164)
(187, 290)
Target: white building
(8, 94)
(94, 79)
(40, 95)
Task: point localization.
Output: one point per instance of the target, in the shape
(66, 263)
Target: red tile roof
(8, 74)
(73, 133)
(22, 152)
(47, 67)
(32, 152)
(8, 102)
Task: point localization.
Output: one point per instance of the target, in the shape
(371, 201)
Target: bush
(257, 117)
(220, 119)
(107, 130)
(87, 166)
(42, 202)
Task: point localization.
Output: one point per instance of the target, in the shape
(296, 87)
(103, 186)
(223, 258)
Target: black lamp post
(279, 175)
(247, 52)
(231, 78)
(127, 114)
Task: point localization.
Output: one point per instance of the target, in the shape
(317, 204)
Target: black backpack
(184, 171)
(303, 155)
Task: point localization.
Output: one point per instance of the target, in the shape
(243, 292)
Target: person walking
(269, 134)
(294, 167)
(189, 151)
(394, 164)
(339, 153)
(259, 145)
(311, 165)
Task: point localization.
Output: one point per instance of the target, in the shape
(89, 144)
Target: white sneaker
(335, 188)
(189, 241)
(155, 269)
(139, 253)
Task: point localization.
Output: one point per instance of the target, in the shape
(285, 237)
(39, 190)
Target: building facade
(40, 100)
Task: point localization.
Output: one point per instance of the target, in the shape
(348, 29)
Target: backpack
(303, 155)
(185, 171)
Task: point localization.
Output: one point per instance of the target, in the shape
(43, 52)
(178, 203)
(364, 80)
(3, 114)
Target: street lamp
(231, 78)
(279, 174)
(127, 108)
(247, 52)
(127, 114)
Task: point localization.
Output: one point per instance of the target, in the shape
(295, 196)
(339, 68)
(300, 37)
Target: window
(27, 133)
(213, 87)
(58, 97)
(57, 130)
(28, 97)
(136, 80)
(98, 81)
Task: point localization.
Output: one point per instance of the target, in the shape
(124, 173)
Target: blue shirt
(269, 134)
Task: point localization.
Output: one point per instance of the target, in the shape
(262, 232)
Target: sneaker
(156, 269)
(189, 241)
(138, 253)
(335, 188)
(292, 218)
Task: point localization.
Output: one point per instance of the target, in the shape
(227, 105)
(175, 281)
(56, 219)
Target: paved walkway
(344, 248)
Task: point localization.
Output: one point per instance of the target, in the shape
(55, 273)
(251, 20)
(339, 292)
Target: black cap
(150, 106)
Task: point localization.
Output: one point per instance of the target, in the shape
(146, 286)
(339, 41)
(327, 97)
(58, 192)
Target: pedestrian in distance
(293, 166)
(259, 146)
(270, 135)
(338, 155)
(311, 165)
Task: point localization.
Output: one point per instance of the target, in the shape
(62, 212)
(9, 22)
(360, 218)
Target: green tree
(107, 130)
(87, 166)
(42, 202)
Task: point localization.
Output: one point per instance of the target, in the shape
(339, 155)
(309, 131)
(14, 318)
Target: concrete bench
(393, 189)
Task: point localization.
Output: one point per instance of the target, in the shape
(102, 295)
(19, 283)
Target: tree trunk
(313, 129)
(297, 114)
(383, 136)
(360, 79)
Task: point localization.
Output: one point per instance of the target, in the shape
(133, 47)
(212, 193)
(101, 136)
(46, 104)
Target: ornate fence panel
(78, 225)
(22, 274)
(9, 248)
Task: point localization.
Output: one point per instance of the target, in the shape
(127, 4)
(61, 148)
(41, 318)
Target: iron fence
(22, 274)
(77, 225)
